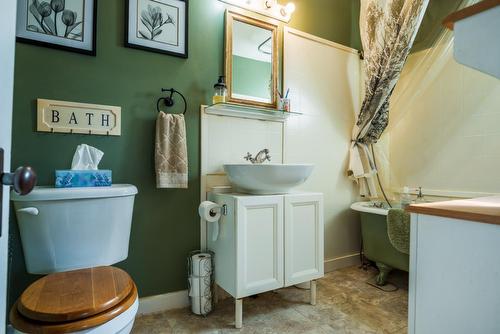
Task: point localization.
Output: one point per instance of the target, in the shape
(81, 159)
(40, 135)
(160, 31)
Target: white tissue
(86, 157)
(211, 212)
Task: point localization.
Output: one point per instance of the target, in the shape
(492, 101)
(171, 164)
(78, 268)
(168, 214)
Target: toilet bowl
(74, 236)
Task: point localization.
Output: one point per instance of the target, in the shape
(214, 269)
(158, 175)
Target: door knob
(23, 180)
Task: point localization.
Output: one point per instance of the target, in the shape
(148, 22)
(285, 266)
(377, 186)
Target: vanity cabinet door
(303, 238)
(259, 231)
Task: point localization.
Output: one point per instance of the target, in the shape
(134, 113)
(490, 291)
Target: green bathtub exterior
(378, 248)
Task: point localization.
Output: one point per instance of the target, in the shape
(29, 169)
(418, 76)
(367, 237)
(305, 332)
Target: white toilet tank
(73, 228)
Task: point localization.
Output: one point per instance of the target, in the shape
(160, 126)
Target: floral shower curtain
(388, 29)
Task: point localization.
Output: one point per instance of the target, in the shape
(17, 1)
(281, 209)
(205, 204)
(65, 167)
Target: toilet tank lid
(53, 194)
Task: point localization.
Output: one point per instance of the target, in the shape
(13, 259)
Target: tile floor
(346, 304)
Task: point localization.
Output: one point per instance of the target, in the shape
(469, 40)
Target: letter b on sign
(55, 116)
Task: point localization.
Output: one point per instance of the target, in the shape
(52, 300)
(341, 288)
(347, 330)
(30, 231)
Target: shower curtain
(388, 29)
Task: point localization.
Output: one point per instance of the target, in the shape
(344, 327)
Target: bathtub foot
(384, 271)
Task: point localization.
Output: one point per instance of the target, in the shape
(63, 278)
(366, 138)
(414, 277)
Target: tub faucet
(420, 197)
(262, 156)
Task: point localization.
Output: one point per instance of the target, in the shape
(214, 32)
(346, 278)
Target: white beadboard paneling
(227, 139)
(325, 87)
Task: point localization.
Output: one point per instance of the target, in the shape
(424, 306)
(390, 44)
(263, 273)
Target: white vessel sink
(267, 179)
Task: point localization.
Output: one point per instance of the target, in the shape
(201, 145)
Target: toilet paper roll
(201, 264)
(209, 211)
(201, 305)
(200, 294)
(199, 287)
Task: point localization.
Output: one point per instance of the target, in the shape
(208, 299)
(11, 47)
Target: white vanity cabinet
(303, 238)
(455, 267)
(267, 242)
(258, 247)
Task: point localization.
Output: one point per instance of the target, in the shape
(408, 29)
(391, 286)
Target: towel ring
(169, 101)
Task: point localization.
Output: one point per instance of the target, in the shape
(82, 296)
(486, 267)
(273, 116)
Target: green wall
(334, 20)
(428, 32)
(165, 224)
(251, 77)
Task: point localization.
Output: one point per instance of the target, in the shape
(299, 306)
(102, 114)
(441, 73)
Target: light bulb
(290, 8)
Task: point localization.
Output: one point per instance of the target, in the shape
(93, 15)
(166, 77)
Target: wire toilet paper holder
(206, 296)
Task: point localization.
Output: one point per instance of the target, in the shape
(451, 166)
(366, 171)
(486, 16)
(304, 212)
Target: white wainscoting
(325, 86)
(227, 139)
(324, 82)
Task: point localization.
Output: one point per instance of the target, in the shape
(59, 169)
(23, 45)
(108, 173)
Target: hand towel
(398, 229)
(171, 161)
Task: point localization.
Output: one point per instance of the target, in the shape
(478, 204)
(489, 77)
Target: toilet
(74, 236)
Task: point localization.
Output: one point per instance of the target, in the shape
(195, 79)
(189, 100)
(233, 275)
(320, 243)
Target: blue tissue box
(83, 178)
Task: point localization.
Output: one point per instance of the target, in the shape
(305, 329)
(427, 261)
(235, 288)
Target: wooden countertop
(449, 21)
(483, 209)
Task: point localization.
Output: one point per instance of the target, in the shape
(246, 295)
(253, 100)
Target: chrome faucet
(262, 156)
(420, 197)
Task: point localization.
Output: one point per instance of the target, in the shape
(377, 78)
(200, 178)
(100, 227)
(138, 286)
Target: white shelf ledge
(243, 111)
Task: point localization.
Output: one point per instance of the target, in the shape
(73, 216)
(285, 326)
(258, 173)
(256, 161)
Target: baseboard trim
(341, 262)
(180, 299)
(164, 302)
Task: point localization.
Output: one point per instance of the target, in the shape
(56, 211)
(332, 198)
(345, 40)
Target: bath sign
(73, 117)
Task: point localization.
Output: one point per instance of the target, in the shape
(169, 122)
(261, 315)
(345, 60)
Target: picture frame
(58, 24)
(158, 26)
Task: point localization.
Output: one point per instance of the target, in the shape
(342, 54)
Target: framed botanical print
(62, 24)
(158, 26)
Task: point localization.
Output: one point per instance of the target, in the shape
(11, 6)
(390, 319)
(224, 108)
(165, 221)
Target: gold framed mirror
(251, 60)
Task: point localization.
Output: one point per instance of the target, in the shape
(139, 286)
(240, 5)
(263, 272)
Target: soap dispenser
(220, 91)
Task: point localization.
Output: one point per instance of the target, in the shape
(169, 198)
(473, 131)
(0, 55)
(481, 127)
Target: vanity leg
(313, 293)
(238, 314)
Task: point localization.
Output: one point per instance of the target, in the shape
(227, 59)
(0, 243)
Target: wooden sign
(73, 117)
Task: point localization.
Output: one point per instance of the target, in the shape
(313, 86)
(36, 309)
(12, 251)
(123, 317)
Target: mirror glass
(251, 61)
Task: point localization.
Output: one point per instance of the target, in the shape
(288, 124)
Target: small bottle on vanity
(220, 91)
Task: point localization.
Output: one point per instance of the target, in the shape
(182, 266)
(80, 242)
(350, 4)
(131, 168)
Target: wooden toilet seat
(73, 301)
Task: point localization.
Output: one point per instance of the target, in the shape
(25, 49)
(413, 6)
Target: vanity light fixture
(270, 8)
(270, 3)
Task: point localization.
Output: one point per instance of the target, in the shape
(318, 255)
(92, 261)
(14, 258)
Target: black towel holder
(169, 101)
